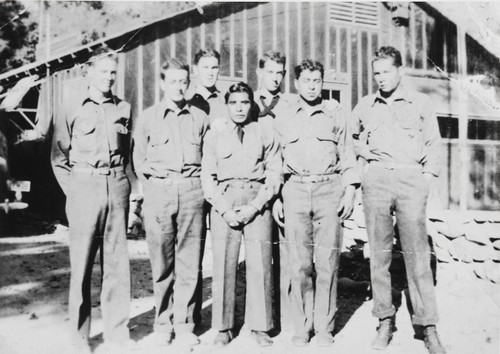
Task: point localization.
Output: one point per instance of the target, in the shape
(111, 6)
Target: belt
(113, 171)
(241, 183)
(396, 166)
(311, 178)
(173, 179)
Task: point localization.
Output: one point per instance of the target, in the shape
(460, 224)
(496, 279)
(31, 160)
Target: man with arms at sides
(273, 103)
(206, 96)
(241, 173)
(90, 150)
(396, 131)
(167, 158)
(320, 181)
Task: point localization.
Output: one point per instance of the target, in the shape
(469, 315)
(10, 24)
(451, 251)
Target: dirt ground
(34, 278)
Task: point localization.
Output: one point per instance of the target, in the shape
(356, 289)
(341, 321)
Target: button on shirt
(315, 141)
(212, 103)
(90, 135)
(404, 132)
(225, 158)
(168, 141)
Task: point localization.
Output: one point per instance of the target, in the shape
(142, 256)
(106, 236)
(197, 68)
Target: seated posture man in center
(167, 157)
(241, 173)
(320, 181)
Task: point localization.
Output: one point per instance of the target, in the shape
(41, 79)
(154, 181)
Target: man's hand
(231, 218)
(278, 214)
(16, 94)
(346, 204)
(245, 213)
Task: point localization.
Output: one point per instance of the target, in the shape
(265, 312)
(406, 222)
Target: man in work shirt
(206, 96)
(167, 158)
(320, 180)
(396, 132)
(241, 173)
(89, 153)
(273, 103)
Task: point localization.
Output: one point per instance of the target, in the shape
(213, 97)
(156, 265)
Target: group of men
(273, 167)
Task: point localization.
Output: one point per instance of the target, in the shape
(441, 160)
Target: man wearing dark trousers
(89, 153)
(241, 174)
(167, 158)
(396, 131)
(320, 181)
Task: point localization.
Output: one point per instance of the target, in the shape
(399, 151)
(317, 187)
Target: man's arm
(61, 144)
(140, 139)
(432, 139)
(359, 135)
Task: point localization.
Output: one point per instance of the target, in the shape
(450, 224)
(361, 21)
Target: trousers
(97, 210)
(404, 192)
(226, 244)
(313, 233)
(175, 230)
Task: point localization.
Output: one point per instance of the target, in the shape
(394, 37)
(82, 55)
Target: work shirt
(90, 134)
(314, 141)
(168, 141)
(257, 158)
(212, 103)
(404, 132)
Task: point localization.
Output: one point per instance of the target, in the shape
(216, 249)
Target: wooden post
(462, 119)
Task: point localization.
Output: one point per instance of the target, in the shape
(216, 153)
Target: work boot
(384, 333)
(262, 338)
(432, 342)
(223, 338)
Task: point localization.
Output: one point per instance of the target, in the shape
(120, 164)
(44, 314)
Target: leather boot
(432, 342)
(384, 333)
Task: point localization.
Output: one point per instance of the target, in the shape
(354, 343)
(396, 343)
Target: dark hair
(311, 65)
(206, 53)
(173, 63)
(273, 55)
(388, 52)
(102, 52)
(239, 87)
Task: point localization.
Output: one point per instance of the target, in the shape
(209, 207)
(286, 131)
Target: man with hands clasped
(241, 174)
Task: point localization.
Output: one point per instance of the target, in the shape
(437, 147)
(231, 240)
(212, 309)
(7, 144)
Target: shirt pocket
(327, 142)
(223, 150)
(84, 132)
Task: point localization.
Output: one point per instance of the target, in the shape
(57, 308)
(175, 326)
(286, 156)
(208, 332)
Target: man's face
(238, 106)
(271, 75)
(309, 84)
(207, 71)
(386, 74)
(175, 84)
(102, 74)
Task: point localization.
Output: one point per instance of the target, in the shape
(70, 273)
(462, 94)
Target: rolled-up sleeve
(212, 189)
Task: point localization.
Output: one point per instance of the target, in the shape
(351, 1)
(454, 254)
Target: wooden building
(442, 60)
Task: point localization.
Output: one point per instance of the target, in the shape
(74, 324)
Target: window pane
(343, 50)
(252, 55)
(148, 72)
(293, 61)
(354, 66)
(306, 31)
(267, 27)
(131, 66)
(238, 44)
(419, 47)
(448, 127)
(333, 49)
(364, 63)
(164, 33)
(479, 129)
(319, 31)
(225, 46)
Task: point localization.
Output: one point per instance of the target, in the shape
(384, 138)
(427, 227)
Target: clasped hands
(240, 216)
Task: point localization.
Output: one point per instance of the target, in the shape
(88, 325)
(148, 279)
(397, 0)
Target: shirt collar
(205, 93)
(267, 95)
(310, 110)
(86, 99)
(169, 105)
(401, 93)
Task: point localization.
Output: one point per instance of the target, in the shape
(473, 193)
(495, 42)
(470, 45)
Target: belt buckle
(104, 173)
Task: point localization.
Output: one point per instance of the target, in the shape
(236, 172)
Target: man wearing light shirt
(396, 132)
(167, 157)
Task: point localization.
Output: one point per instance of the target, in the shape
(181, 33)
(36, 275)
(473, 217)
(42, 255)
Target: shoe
(187, 339)
(223, 338)
(300, 340)
(262, 338)
(384, 334)
(432, 342)
(324, 339)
